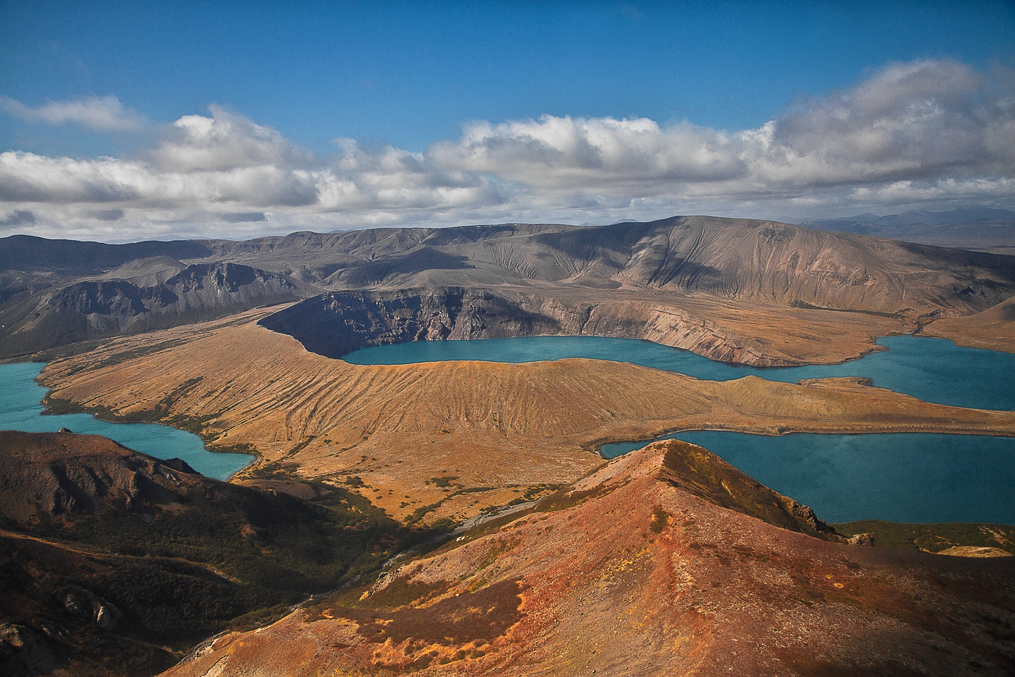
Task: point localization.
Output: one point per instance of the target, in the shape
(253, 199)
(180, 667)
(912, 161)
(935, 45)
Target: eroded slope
(488, 426)
(694, 266)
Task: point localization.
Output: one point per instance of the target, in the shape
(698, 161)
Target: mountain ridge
(684, 261)
(626, 571)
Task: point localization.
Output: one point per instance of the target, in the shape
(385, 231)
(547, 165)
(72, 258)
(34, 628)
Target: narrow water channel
(21, 409)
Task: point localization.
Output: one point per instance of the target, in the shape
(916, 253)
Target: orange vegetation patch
(646, 578)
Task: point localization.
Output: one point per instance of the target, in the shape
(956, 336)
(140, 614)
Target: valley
(241, 343)
(490, 425)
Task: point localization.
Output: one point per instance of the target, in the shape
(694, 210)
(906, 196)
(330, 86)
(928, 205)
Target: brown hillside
(488, 425)
(57, 476)
(993, 328)
(730, 258)
(115, 563)
(696, 266)
(628, 573)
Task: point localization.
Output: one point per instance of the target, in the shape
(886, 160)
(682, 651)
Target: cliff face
(338, 323)
(98, 308)
(665, 561)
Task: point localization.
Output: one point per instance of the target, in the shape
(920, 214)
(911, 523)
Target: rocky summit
(666, 561)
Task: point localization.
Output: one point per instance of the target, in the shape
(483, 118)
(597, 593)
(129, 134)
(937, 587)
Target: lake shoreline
(27, 405)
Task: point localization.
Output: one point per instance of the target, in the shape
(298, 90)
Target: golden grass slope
(993, 329)
(487, 425)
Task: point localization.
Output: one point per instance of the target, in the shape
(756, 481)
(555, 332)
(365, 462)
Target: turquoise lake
(935, 370)
(20, 409)
(897, 477)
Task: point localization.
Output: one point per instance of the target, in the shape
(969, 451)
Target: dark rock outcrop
(337, 323)
(90, 607)
(22, 654)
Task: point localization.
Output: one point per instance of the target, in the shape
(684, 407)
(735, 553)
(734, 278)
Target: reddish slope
(638, 572)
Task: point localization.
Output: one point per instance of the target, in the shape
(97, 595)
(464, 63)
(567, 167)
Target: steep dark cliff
(337, 323)
(92, 309)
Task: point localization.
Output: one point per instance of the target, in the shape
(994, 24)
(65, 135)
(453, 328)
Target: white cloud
(104, 114)
(223, 142)
(924, 133)
(925, 120)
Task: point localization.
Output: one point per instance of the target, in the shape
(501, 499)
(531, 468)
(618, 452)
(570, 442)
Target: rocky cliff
(338, 323)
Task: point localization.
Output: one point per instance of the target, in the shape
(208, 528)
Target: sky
(128, 121)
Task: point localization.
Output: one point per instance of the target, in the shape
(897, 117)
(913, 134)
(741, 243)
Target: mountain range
(55, 293)
(454, 518)
(970, 228)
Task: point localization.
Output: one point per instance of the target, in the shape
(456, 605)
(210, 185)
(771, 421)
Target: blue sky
(334, 115)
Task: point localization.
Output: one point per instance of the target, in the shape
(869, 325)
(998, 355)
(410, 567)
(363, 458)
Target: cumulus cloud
(103, 114)
(924, 120)
(928, 132)
(584, 153)
(224, 142)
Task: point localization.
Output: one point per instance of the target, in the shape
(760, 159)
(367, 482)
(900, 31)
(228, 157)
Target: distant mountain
(924, 217)
(58, 292)
(140, 295)
(26, 252)
(973, 228)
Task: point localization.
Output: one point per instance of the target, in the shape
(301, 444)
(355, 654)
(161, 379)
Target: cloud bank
(106, 114)
(929, 133)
